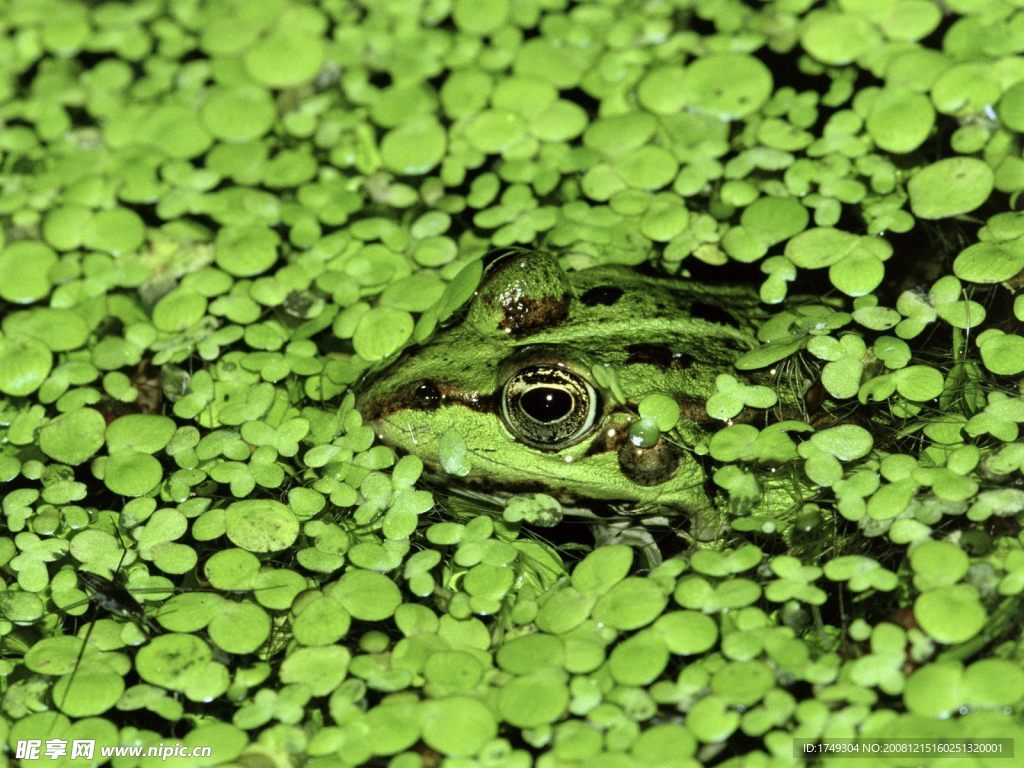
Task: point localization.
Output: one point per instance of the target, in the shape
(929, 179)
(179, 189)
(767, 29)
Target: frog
(542, 373)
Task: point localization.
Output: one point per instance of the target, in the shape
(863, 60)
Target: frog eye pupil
(547, 406)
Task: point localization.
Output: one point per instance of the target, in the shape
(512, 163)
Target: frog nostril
(605, 295)
(428, 396)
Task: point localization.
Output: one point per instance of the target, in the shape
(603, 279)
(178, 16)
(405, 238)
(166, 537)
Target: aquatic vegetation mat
(217, 216)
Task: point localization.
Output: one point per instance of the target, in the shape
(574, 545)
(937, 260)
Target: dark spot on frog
(606, 295)
(525, 315)
(648, 466)
(657, 355)
(521, 292)
(711, 313)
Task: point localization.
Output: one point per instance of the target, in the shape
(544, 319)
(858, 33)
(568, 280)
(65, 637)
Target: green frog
(542, 375)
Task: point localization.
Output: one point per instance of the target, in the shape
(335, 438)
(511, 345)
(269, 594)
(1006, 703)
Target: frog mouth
(534, 471)
(484, 489)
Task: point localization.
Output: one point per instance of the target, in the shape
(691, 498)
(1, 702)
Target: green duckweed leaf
(479, 18)
(59, 329)
(858, 274)
(900, 119)
(934, 690)
(245, 250)
(742, 683)
(415, 147)
(860, 573)
(837, 38)
(181, 662)
(240, 628)
(132, 473)
(732, 396)
(495, 131)
(937, 564)
(950, 187)
(646, 167)
(285, 57)
(261, 525)
(952, 614)
(686, 632)
(1011, 107)
(525, 654)
(993, 682)
(25, 363)
(381, 332)
(322, 669)
(773, 220)
(117, 231)
(74, 437)
(630, 604)
(966, 88)
(602, 569)
(644, 433)
(458, 725)
(367, 595)
(564, 610)
(730, 86)
(639, 660)
(662, 743)
(535, 508)
(533, 700)
(240, 113)
(178, 311)
(734, 443)
(92, 689)
(24, 271)
(454, 454)
(710, 719)
(1001, 353)
(394, 726)
(320, 621)
(990, 262)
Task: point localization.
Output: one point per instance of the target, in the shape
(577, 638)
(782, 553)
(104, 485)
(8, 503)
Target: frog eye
(548, 407)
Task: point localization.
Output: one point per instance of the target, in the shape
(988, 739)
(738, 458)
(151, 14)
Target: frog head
(541, 375)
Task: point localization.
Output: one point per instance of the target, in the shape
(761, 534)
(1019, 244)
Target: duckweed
(217, 216)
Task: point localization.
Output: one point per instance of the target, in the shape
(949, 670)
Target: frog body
(543, 375)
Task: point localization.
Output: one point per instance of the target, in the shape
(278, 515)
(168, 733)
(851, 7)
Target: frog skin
(515, 378)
